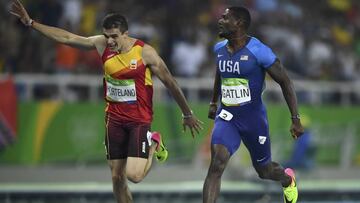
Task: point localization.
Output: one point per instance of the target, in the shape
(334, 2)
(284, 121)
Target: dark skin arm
(279, 75)
(215, 96)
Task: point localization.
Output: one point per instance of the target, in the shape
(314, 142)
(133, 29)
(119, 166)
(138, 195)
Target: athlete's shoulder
(261, 51)
(99, 41)
(255, 45)
(150, 55)
(147, 48)
(139, 42)
(220, 44)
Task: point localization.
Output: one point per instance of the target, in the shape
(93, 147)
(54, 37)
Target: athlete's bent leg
(219, 159)
(119, 181)
(137, 168)
(273, 171)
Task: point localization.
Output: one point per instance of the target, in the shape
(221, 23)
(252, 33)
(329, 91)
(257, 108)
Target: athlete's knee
(119, 180)
(217, 165)
(135, 177)
(264, 172)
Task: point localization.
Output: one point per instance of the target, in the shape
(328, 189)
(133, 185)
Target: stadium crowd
(316, 41)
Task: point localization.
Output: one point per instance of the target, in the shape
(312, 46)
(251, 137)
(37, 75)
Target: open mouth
(220, 27)
(112, 46)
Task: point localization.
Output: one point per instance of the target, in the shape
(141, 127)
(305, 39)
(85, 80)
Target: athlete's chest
(239, 64)
(123, 67)
(128, 65)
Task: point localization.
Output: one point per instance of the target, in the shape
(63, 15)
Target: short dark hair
(241, 13)
(115, 20)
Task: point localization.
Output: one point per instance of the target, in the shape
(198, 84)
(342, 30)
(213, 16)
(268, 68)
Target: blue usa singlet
(242, 115)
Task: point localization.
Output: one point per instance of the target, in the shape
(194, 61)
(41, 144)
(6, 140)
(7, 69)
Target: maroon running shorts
(126, 139)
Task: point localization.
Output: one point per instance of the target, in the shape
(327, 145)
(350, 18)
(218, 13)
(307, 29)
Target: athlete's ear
(126, 33)
(239, 23)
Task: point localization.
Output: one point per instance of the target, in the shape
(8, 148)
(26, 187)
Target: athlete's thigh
(117, 167)
(139, 145)
(138, 148)
(116, 140)
(257, 140)
(136, 165)
(227, 134)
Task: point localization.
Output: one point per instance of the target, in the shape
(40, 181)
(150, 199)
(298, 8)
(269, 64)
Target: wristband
(297, 116)
(213, 103)
(30, 22)
(188, 116)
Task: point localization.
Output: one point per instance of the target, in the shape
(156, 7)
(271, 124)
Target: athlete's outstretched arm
(158, 67)
(215, 96)
(279, 74)
(57, 34)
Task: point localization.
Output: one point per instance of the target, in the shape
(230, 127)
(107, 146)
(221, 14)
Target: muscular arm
(215, 97)
(216, 88)
(158, 67)
(57, 34)
(278, 73)
(65, 37)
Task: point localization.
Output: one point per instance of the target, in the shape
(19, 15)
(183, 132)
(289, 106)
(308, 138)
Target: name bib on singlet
(235, 91)
(120, 90)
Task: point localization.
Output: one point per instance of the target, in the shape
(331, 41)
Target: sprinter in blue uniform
(242, 62)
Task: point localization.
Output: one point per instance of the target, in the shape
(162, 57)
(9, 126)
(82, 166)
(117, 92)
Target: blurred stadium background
(51, 106)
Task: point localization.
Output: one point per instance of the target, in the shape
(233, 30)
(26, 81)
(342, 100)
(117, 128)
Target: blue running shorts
(253, 132)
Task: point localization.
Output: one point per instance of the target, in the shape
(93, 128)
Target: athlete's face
(114, 38)
(227, 24)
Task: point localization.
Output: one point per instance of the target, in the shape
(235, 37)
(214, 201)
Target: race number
(225, 115)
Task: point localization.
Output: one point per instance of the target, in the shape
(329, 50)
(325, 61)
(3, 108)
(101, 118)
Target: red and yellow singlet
(128, 87)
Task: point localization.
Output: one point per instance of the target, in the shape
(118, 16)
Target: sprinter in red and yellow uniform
(128, 68)
(128, 84)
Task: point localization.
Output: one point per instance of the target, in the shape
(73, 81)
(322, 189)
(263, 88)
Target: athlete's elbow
(170, 83)
(62, 39)
(284, 82)
(66, 38)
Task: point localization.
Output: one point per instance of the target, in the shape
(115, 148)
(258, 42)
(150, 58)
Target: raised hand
(18, 10)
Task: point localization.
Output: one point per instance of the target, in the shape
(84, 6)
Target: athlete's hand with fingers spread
(18, 10)
(296, 128)
(212, 111)
(193, 124)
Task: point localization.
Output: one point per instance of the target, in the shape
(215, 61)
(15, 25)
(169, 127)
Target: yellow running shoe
(161, 153)
(291, 192)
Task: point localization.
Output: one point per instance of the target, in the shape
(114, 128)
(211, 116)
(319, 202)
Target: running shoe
(161, 153)
(290, 192)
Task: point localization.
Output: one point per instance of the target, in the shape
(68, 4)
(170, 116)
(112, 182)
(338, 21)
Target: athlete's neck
(126, 45)
(237, 42)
